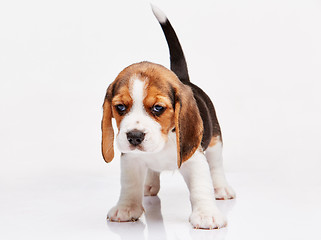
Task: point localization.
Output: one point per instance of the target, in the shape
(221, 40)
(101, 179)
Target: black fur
(178, 63)
(204, 103)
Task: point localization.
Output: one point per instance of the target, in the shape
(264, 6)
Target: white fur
(205, 213)
(129, 206)
(161, 17)
(160, 154)
(195, 171)
(215, 162)
(138, 119)
(152, 184)
(165, 159)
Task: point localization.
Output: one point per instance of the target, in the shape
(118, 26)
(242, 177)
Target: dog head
(148, 101)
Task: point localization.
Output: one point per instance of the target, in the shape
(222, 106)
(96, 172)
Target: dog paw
(151, 190)
(207, 220)
(125, 213)
(224, 193)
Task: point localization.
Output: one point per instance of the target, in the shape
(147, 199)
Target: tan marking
(161, 83)
(122, 98)
(107, 145)
(166, 120)
(214, 141)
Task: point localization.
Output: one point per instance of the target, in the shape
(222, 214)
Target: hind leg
(152, 185)
(215, 161)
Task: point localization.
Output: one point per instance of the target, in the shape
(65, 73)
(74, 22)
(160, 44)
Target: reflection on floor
(75, 207)
(154, 222)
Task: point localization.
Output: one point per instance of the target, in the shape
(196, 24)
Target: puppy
(164, 122)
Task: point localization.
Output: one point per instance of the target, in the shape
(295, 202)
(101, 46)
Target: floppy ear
(107, 144)
(188, 124)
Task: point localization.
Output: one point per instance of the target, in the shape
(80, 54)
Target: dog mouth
(146, 145)
(138, 148)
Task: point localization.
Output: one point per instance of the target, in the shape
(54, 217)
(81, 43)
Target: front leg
(152, 183)
(205, 213)
(129, 206)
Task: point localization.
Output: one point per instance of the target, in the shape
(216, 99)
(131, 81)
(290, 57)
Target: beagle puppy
(164, 122)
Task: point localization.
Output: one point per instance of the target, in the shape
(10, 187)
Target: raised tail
(178, 62)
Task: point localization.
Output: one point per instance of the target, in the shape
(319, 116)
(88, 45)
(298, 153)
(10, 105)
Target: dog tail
(178, 62)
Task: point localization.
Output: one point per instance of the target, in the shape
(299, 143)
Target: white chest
(166, 159)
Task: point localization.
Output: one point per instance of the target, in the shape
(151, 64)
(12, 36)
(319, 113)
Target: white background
(260, 61)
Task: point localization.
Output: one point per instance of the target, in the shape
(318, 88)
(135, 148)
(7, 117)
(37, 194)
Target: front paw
(224, 193)
(204, 219)
(125, 213)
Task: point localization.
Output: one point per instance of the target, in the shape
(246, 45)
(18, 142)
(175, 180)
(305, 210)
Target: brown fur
(162, 88)
(107, 145)
(214, 141)
(188, 124)
(166, 120)
(122, 98)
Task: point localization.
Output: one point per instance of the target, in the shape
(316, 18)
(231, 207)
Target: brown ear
(188, 124)
(107, 144)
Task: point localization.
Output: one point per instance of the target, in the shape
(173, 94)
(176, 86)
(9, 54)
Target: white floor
(259, 61)
(74, 206)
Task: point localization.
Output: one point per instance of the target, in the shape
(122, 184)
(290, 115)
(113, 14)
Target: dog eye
(121, 108)
(158, 110)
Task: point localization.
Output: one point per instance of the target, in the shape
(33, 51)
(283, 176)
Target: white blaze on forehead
(137, 92)
(139, 119)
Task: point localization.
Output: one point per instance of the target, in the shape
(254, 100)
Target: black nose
(135, 137)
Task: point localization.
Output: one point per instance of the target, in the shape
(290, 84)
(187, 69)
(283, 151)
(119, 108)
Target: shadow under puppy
(164, 122)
